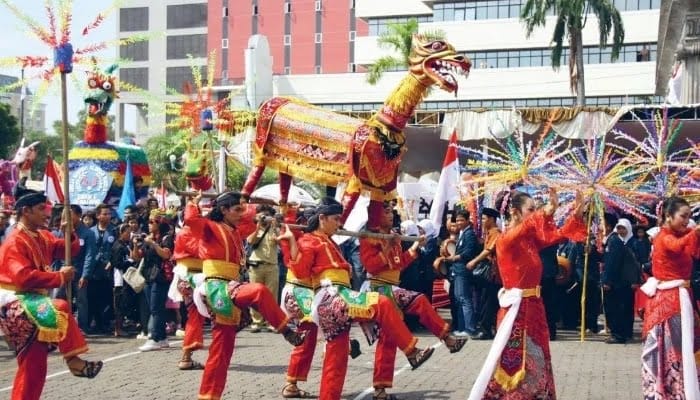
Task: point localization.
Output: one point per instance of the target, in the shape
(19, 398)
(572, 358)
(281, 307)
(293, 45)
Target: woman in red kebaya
(671, 328)
(519, 366)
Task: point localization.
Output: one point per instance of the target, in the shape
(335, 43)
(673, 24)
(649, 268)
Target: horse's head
(25, 154)
(435, 62)
(101, 91)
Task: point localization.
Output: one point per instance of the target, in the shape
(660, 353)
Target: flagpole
(67, 236)
(21, 106)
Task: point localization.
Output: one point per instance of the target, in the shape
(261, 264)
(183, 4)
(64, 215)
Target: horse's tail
(235, 122)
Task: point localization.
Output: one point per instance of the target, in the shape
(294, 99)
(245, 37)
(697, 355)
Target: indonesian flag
(52, 182)
(447, 189)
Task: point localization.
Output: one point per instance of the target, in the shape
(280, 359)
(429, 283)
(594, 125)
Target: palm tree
(399, 38)
(571, 19)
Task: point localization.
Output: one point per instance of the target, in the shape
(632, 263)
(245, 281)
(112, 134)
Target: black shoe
(354, 349)
(615, 340)
(480, 336)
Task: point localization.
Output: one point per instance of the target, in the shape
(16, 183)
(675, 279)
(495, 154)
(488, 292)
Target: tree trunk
(580, 82)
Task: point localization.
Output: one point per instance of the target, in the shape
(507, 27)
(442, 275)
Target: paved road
(583, 371)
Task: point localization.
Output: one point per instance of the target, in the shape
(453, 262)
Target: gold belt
(192, 264)
(335, 275)
(15, 289)
(532, 292)
(221, 269)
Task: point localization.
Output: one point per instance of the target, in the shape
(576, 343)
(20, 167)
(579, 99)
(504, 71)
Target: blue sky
(17, 40)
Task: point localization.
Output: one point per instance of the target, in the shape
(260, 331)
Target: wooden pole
(587, 250)
(365, 234)
(66, 195)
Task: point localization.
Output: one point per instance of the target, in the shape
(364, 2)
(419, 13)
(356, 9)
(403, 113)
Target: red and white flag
(447, 189)
(52, 182)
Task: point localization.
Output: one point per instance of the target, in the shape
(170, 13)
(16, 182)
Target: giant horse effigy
(318, 145)
(95, 153)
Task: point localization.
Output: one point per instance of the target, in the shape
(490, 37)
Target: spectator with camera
(262, 260)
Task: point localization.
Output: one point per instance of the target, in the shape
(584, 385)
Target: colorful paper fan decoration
(515, 160)
(55, 33)
(608, 181)
(667, 172)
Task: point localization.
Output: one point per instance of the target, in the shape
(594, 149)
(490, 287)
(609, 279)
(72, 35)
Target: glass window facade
(377, 26)
(178, 47)
(134, 51)
(187, 16)
(134, 76)
(543, 57)
(133, 19)
(176, 77)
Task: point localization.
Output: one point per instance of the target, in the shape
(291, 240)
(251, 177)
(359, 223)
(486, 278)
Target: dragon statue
(318, 145)
(110, 157)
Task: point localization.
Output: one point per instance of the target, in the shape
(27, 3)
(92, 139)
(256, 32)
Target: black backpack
(631, 271)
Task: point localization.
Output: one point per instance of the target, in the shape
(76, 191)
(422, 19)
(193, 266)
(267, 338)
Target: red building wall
(271, 24)
(239, 28)
(336, 32)
(303, 30)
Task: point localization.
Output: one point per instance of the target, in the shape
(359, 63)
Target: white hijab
(625, 223)
(428, 228)
(409, 228)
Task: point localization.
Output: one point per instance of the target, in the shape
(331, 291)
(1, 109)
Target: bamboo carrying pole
(587, 251)
(67, 236)
(365, 234)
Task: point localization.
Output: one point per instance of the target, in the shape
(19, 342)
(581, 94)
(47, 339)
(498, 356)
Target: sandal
(354, 349)
(292, 391)
(189, 365)
(294, 338)
(383, 395)
(418, 357)
(456, 343)
(89, 370)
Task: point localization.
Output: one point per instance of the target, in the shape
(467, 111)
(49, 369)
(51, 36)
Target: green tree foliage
(399, 38)
(9, 132)
(571, 18)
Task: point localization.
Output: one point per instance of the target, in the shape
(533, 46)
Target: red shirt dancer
(335, 305)
(33, 323)
(187, 272)
(222, 254)
(671, 330)
(297, 296)
(519, 366)
(384, 260)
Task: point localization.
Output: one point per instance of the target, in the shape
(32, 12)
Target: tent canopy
(296, 194)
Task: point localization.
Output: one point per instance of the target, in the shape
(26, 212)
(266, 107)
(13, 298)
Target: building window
(318, 38)
(134, 51)
(135, 76)
(287, 40)
(181, 46)
(287, 70)
(317, 69)
(287, 8)
(351, 36)
(224, 43)
(317, 5)
(352, 67)
(377, 26)
(255, 9)
(133, 19)
(224, 12)
(187, 16)
(352, 4)
(177, 77)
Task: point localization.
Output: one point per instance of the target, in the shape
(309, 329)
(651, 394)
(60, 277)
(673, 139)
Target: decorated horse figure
(318, 145)
(95, 159)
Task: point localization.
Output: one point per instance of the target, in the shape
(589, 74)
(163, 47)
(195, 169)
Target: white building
(34, 113)
(507, 68)
(159, 66)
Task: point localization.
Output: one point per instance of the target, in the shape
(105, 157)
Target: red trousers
(223, 337)
(194, 329)
(32, 362)
(385, 354)
(300, 360)
(335, 363)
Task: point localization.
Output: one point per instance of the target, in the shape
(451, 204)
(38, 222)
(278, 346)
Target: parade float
(98, 166)
(315, 144)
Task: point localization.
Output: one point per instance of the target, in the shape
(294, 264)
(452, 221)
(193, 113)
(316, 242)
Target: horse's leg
(252, 181)
(348, 202)
(285, 185)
